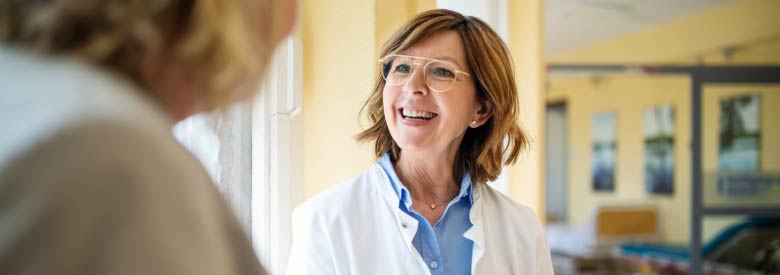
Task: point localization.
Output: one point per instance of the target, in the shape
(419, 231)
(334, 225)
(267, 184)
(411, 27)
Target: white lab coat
(357, 228)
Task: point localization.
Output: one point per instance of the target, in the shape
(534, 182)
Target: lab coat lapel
(477, 232)
(408, 226)
(405, 223)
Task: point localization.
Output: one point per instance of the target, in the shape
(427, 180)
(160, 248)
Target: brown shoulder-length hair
(484, 149)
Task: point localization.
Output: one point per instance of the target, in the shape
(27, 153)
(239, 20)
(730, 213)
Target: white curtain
(222, 141)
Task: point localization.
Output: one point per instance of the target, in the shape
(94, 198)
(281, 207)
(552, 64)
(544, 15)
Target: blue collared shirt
(442, 246)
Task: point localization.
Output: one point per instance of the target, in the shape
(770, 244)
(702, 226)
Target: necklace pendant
(433, 206)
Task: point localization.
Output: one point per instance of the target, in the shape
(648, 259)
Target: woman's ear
(482, 115)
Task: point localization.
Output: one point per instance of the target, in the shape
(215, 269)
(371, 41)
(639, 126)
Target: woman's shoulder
(73, 95)
(80, 118)
(347, 195)
(501, 203)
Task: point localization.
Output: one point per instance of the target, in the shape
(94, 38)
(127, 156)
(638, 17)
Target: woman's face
(422, 120)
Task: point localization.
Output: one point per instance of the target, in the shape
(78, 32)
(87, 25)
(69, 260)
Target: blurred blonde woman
(444, 121)
(91, 178)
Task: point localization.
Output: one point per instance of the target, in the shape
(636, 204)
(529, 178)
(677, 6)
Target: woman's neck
(428, 178)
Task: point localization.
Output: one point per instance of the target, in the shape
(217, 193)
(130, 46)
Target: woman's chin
(415, 145)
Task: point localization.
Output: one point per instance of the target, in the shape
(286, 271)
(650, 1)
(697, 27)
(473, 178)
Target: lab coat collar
(386, 163)
(408, 224)
(400, 190)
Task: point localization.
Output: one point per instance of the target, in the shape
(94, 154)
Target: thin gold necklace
(431, 205)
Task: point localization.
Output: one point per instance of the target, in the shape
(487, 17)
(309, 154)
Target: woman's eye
(403, 68)
(443, 72)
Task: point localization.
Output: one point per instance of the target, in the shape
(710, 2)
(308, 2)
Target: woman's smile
(416, 117)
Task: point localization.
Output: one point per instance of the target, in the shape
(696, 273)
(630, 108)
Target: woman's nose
(416, 82)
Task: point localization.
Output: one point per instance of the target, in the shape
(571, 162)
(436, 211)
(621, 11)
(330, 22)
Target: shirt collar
(403, 194)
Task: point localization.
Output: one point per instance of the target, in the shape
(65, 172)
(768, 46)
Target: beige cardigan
(93, 182)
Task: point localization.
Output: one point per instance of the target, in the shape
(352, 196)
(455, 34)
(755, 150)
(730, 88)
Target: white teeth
(417, 114)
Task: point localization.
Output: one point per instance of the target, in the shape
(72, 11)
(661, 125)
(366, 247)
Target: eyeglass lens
(438, 75)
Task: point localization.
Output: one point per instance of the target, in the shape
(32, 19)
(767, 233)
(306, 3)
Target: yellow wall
(627, 97)
(392, 14)
(750, 26)
(338, 54)
(762, 51)
(340, 40)
(526, 177)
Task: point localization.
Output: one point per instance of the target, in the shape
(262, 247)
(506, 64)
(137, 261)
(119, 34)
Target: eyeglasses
(439, 75)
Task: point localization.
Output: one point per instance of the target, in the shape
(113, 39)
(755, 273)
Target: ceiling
(571, 24)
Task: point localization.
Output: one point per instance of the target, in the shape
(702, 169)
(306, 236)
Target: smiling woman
(443, 116)
(472, 46)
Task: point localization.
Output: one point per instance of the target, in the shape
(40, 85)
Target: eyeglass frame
(425, 77)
